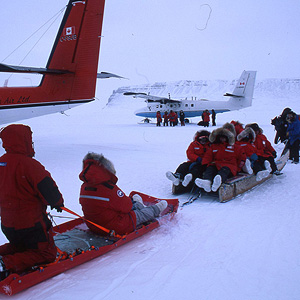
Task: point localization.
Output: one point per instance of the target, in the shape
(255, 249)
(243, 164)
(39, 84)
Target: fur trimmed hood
(213, 138)
(255, 127)
(248, 132)
(201, 133)
(230, 127)
(97, 169)
(107, 164)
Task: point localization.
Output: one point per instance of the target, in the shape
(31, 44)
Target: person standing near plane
(181, 118)
(213, 117)
(166, 118)
(26, 189)
(172, 118)
(158, 118)
(205, 117)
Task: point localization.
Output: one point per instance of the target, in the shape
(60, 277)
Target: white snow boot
(268, 166)
(187, 179)
(138, 198)
(175, 178)
(204, 184)
(216, 183)
(247, 167)
(162, 205)
(262, 174)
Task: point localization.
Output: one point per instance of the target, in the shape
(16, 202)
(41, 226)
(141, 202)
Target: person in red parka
(265, 151)
(243, 164)
(246, 141)
(193, 168)
(158, 118)
(206, 118)
(26, 189)
(166, 118)
(105, 204)
(222, 160)
(237, 126)
(172, 118)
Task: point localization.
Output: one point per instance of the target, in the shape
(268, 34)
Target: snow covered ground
(245, 249)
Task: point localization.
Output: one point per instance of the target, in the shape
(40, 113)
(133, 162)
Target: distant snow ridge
(214, 89)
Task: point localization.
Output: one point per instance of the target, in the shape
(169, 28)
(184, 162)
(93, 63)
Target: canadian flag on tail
(69, 30)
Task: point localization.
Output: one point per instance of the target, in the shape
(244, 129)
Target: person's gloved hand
(58, 208)
(137, 198)
(199, 159)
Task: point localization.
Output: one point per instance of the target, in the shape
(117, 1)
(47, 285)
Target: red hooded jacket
(196, 149)
(102, 201)
(264, 147)
(226, 154)
(26, 188)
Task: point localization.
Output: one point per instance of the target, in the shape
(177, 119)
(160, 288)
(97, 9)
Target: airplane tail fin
(76, 51)
(244, 88)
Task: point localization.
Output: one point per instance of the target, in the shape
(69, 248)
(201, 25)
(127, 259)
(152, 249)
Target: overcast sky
(167, 40)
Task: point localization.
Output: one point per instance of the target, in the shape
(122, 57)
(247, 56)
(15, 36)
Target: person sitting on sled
(265, 151)
(26, 189)
(188, 171)
(105, 204)
(222, 160)
(244, 164)
(246, 140)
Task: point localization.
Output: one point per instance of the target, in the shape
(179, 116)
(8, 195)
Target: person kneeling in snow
(105, 204)
(26, 189)
(222, 160)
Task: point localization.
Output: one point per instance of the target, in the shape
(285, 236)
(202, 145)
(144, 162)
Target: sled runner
(234, 186)
(77, 244)
(244, 182)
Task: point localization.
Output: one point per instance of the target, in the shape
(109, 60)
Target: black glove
(274, 154)
(58, 208)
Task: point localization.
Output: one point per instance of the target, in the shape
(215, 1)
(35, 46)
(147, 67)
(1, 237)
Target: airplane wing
(19, 69)
(150, 98)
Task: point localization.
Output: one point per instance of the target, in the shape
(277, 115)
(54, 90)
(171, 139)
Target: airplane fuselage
(19, 103)
(191, 108)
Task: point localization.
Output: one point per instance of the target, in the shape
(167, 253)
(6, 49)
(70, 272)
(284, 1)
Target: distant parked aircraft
(241, 97)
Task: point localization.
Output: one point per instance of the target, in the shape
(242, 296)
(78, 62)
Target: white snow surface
(246, 249)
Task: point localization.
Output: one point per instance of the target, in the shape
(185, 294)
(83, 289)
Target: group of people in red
(27, 188)
(171, 117)
(214, 157)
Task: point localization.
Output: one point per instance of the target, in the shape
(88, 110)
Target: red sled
(77, 245)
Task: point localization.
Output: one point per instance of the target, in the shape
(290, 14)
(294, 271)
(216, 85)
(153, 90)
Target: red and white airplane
(69, 78)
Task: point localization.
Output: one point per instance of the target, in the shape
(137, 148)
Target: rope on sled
(110, 232)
